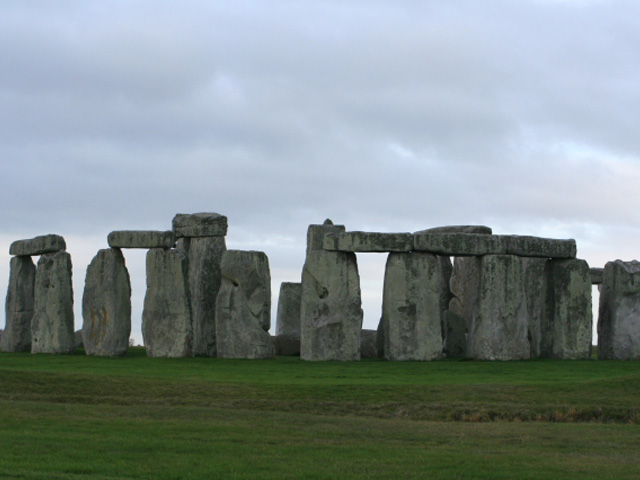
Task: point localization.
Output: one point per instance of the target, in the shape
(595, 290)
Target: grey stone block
(19, 306)
(464, 284)
(288, 321)
(619, 313)
(527, 246)
(369, 242)
(499, 325)
(459, 244)
(368, 344)
(535, 287)
(411, 307)
(141, 239)
(331, 307)
(200, 225)
(38, 246)
(52, 323)
(459, 229)
(166, 318)
(205, 259)
(316, 233)
(286, 345)
(106, 305)
(597, 275)
(243, 306)
(567, 327)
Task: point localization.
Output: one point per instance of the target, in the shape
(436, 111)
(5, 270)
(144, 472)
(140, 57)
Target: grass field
(78, 417)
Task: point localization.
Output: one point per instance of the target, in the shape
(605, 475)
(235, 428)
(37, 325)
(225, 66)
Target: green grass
(84, 417)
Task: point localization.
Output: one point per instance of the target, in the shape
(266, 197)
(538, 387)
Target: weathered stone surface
(535, 287)
(166, 318)
(464, 284)
(200, 225)
(52, 322)
(368, 344)
(567, 326)
(141, 239)
(445, 269)
(77, 339)
(106, 305)
(597, 275)
(286, 345)
(316, 233)
(205, 257)
(619, 313)
(38, 246)
(331, 307)
(459, 229)
(288, 320)
(368, 242)
(459, 244)
(528, 246)
(411, 307)
(243, 306)
(499, 325)
(19, 306)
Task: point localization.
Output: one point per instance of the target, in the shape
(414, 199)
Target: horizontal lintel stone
(459, 244)
(40, 245)
(527, 246)
(141, 239)
(597, 275)
(200, 225)
(368, 242)
(459, 229)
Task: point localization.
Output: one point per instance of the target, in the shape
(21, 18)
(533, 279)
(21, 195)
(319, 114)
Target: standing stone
(106, 305)
(445, 269)
(368, 344)
(619, 315)
(52, 323)
(499, 324)
(243, 306)
(567, 327)
(535, 286)
(205, 257)
(331, 307)
(464, 283)
(19, 306)
(316, 233)
(288, 320)
(411, 307)
(166, 318)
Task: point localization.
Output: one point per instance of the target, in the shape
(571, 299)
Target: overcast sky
(381, 115)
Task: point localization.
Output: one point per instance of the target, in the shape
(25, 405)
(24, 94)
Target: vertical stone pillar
(202, 238)
(464, 284)
(331, 307)
(243, 307)
(619, 313)
(166, 318)
(287, 337)
(19, 306)
(499, 324)
(52, 326)
(106, 305)
(535, 284)
(411, 307)
(567, 325)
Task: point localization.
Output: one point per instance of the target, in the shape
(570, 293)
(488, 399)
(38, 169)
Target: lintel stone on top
(141, 239)
(200, 225)
(597, 276)
(459, 244)
(369, 242)
(459, 229)
(528, 246)
(40, 245)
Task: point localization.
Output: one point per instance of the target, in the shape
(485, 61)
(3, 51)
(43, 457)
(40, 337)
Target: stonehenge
(452, 291)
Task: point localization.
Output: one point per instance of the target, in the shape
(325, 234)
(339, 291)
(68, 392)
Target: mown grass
(135, 417)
